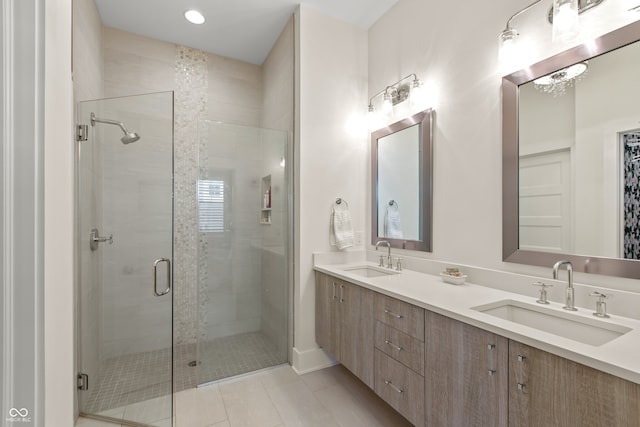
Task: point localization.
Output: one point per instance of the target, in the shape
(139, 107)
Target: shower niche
(265, 211)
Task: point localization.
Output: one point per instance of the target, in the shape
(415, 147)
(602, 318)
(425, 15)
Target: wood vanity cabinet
(399, 356)
(466, 374)
(440, 372)
(549, 390)
(344, 324)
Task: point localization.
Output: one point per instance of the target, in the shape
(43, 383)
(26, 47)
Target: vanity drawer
(400, 315)
(402, 347)
(400, 387)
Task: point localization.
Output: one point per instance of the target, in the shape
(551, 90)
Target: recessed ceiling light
(194, 16)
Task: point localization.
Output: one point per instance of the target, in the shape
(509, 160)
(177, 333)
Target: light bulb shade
(507, 45)
(417, 93)
(566, 25)
(387, 104)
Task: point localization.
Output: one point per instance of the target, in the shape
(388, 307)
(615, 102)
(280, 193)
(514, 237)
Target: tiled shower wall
(136, 64)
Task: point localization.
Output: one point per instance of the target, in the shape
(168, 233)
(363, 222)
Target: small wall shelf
(266, 194)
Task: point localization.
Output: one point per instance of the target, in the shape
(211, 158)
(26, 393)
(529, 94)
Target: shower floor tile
(139, 377)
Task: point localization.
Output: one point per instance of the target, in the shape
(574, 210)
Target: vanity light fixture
(194, 16)
(395, 94)
(557, 82)
(563, 16)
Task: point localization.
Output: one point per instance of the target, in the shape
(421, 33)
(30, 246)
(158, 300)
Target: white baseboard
(310, 360)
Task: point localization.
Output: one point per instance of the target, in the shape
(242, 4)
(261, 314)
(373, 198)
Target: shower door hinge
(82, 132)
(83, 382)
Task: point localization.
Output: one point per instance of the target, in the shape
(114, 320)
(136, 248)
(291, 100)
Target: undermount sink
(369, 271)
(568, 325)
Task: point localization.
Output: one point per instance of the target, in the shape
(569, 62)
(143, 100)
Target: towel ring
(393, 202)
(339, 202)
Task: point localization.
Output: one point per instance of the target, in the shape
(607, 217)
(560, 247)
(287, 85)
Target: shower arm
(94, 119)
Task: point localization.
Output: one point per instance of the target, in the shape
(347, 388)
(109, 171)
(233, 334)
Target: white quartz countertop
(619, 357)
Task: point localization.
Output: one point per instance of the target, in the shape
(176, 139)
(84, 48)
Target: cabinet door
(549, 390)
(466, 374)
(356, 331)
(328, 314)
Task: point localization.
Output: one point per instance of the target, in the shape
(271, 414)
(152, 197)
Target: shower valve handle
(95, 238)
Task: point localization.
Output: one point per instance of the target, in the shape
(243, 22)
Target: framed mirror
(571, 158)
(401, 183)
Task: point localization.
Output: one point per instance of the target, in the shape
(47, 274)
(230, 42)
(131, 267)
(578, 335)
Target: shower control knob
(95, 239)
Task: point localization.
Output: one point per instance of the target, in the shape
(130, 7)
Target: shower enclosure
(124, 246)
(183, 266)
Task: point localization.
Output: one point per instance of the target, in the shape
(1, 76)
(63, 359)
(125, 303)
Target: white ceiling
(239, 29)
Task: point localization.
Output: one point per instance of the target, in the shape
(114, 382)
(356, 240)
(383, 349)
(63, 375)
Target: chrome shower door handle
(155, 276)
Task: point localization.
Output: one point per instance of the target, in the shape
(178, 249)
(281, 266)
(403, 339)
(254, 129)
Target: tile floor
(276, 397)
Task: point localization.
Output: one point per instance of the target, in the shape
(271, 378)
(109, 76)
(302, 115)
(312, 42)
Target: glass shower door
(125, 250)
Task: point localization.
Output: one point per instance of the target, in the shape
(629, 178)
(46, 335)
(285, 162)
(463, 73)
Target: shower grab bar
(155, 276)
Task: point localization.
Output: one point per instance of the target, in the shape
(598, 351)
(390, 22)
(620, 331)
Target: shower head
(128, 137)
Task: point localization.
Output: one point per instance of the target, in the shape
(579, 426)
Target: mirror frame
(425, 118)
(510, 176)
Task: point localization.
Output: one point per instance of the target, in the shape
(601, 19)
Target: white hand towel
(341, 230)
(392, 224)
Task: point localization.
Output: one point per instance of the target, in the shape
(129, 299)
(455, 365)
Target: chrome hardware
(390, 384)
(341, 293)
(391, 313)
(521, 386)
(601, 306)
(393, 345)
(543, 292)
(155, 276)
(570, 295)
(399, 264)
(490, 362)
(82, 132)
(381, 263)
(82, 382)
(334, 291)
(95, 239)
(388, 245)
(521, 358)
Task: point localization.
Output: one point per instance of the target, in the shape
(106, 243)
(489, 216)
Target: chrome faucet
(569, 304)
(380, 242)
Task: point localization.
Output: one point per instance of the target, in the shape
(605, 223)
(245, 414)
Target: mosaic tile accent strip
(190, 108)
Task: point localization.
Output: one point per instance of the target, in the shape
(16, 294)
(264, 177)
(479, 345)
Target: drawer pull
(521, 386)
(393, 345)
(491, 372)
(390, 313)
(390, 384)
(334, 290)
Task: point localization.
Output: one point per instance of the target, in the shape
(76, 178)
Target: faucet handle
(601, 305)
(543, 292)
